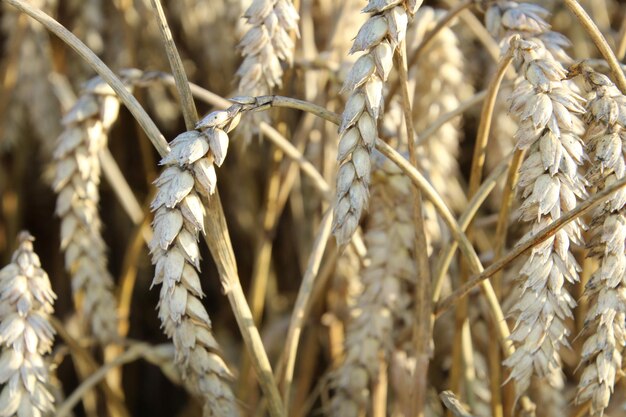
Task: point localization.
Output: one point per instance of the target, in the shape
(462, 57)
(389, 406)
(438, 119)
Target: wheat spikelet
(26, 300)
(378, 38)
(178, 219)
(605, 321)
(384, 299)
(266, 45)
(76, 182)
(550, 184)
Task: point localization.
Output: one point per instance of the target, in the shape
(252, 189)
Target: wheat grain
(385, 298)
(179, 217)
(550, 184)
(76, 182)
(26, 300)
(602, 350)
(378, 38)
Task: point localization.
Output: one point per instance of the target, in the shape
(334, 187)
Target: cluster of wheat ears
(327, 280)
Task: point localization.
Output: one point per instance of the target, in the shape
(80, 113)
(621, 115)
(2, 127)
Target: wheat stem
(446, 254)
(541, 236)
(301, 305)
(432, 34)
(600, 42)
(422, 331)
(130, 355)
(182, 84)
(123, 191)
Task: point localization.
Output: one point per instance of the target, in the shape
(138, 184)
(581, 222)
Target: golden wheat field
(353, 208)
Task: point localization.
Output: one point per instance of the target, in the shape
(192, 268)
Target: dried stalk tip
(378, 38)
(548, 109)
(178, 218)
(26, 335)
(76, 182)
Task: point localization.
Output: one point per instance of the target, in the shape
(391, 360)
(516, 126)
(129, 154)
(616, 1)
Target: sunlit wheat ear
(26, 335)
(267, 45)
(440, 86)
(384, 299)
(33, 67)
(606, 290)
(76, 183)
(378, 39)
(550, 184)
(178, 219)
(504, 18)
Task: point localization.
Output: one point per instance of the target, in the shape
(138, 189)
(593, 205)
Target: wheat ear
(26, 335)
(505, 18)
(602, 350)
(178, 218)
(385, 297)
(76, 182)
(33, 67)
(378, 38)
(266, 45)
(442, 62)
(550, 184)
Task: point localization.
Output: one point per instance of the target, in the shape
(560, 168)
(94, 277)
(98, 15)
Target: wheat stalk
(76, 182)
(178, 218)
(602, 350)
(26, 335)
(385, 297)
(378, 38)
(550, 184)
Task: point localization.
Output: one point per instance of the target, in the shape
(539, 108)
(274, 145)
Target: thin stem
(123, 191)
(429, 132)
(182, 84)
(543, 235)
(600, 42)
(132, 354)
(457, 233)
(486, 117)
(478, 28)
(473, 206)
(422, 332)
(461, 332)
(302, 304)
(82, 357)
(499, 401)
(428, 39)
(220, 245)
